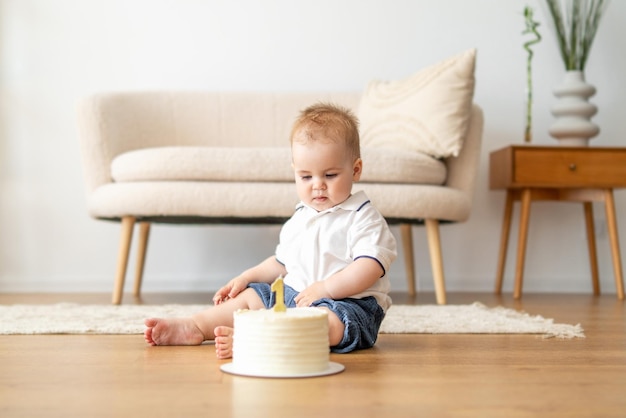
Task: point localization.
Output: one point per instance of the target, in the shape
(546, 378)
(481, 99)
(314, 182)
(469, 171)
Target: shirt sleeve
(371, 237)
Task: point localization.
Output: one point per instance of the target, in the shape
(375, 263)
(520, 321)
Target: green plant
(575, 23)
(531, 28)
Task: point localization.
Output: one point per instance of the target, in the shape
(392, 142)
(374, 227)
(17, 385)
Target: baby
(334, 252)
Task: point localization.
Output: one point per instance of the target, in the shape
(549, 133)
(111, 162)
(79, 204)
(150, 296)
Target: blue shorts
(361, 317)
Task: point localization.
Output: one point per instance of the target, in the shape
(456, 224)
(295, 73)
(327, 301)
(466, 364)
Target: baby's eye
(330, 176)
(305, 178)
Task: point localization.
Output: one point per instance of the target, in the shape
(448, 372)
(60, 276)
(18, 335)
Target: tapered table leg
(521, 243)
(504, 240)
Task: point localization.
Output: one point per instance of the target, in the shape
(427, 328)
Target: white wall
(54, 52)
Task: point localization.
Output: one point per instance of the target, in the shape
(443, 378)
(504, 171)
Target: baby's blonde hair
(329, 121)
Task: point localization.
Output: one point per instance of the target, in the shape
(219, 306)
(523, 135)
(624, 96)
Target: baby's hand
(312, 293)
(230, 290)
(221, 295)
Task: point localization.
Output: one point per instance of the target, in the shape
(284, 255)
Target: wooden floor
(403, 376)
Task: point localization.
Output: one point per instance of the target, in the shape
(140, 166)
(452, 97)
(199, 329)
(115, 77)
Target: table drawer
(585, 167)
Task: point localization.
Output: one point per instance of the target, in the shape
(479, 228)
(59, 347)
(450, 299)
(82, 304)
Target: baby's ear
(357, 169)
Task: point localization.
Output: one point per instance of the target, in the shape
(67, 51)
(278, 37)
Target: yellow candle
(277, 287)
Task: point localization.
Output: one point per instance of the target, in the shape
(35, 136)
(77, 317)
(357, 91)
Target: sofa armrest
(94, 146)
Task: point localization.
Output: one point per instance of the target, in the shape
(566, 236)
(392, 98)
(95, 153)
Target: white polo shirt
(314, 245)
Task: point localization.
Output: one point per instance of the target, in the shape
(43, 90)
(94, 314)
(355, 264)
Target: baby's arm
(264, 272)
(357, 277)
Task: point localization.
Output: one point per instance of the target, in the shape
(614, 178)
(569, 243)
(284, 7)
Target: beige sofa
(219, 157)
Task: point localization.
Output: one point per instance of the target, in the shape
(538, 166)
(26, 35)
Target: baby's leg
(336, 328)
(201, 326)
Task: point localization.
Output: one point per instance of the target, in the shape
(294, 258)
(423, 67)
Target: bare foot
(223, 342)
(177, 331)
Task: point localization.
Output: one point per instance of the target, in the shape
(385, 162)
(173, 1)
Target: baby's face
(324, 172)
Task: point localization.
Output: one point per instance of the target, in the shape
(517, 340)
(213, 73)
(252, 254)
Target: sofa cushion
(203, 164)
(427, 112)
(263, 164)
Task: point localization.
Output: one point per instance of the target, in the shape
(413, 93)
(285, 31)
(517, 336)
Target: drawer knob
(572, 167)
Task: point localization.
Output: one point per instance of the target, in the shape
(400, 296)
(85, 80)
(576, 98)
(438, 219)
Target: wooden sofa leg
(407, 247)
(128, 222)
(436, 259)
(144, 234)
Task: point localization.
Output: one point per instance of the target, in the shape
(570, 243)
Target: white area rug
(68, 318)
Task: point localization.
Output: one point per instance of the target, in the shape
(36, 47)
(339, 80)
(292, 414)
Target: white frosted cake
(281, 344)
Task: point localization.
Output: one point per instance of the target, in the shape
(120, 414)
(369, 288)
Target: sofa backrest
(255, 119)
(114, 123)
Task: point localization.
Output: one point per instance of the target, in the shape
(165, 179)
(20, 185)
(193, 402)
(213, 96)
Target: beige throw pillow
(427, 112)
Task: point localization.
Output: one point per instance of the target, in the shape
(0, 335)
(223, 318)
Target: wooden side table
(577, 174)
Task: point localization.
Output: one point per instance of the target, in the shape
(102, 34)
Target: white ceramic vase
(573, 112)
